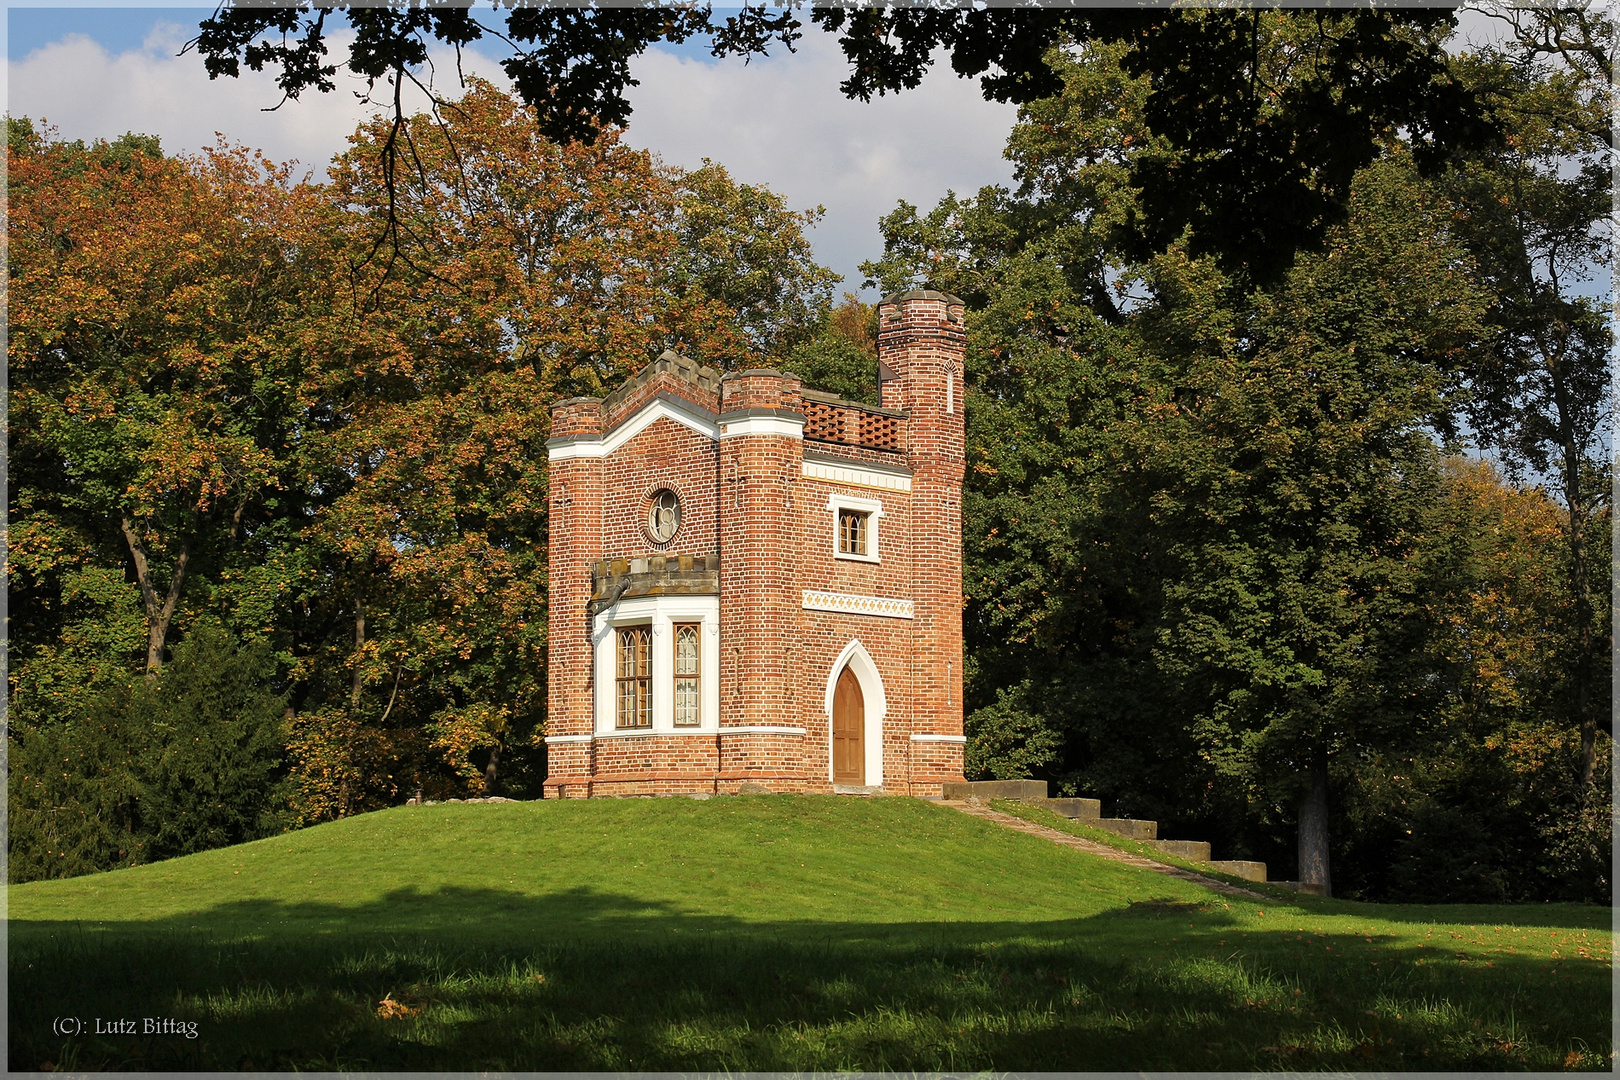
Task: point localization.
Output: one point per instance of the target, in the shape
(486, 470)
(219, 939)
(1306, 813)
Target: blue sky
(117, 29)
(120, 29)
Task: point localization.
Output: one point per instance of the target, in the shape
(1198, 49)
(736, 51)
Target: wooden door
(849, 731)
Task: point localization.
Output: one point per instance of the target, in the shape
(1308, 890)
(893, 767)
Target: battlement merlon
(757, 389)
(914, 328)
(576, 416)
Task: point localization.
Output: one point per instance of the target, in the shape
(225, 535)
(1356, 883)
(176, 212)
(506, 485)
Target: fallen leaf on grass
(389, 1009)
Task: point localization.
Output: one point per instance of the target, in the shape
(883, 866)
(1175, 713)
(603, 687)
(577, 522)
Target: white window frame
(618, 678)
(676, 626)
(661, 613)
(873, 509)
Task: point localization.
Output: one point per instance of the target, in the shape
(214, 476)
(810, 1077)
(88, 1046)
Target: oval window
(663, 516)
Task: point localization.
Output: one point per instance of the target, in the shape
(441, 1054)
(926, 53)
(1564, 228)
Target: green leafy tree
(1483, 801)
(842, 357)
(1191, 503)
(741, 245)
(1264, 162)
(154, 388)
(1535, 213)
(1300, 456)
(151, 769)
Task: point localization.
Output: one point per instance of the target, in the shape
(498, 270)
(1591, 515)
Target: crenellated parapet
(671, 375)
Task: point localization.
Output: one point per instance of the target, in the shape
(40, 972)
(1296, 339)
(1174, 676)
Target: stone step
(1089, 811)
(1130, 828)
(985, 790)
(1243, 868)
(1195, 850)
(1075, 809)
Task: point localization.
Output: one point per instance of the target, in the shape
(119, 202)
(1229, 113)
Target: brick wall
(760, 461)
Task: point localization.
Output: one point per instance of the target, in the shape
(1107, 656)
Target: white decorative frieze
(881, 606)
(856, 476)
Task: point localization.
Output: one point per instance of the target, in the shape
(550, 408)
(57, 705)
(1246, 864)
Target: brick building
(755, 582)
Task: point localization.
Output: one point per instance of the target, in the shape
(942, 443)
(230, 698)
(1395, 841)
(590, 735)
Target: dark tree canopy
(1266, 155)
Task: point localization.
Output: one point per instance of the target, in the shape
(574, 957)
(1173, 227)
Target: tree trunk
(159, 613)
(1313, 832)
(489, 770)
(359, 647)
(1579, 573)
(354, 704)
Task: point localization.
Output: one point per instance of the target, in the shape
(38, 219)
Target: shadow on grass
(583, 980)
(1529, 916)
(1552, 916)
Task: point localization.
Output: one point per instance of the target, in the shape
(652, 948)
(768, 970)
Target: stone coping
(921, 294)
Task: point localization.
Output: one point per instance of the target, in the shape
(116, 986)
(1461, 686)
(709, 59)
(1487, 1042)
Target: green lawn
(770, 933)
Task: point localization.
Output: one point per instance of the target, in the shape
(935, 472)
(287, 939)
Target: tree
(151, 769)
(154, 402)
(1188, 497)
(1482, 802)
(1535, 214)
(1264, 164)
(1297, 458)
(842, 358)
(741, 245)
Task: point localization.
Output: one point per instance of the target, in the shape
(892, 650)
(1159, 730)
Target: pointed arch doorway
(855, 709)
(849, 730)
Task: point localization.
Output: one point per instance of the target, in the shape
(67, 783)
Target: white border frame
(858, 660)
(873, 509)
(661, 613)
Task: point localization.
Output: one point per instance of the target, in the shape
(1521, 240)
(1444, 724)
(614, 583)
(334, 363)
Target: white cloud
(87, 94)
(778, 121)
(782, 122)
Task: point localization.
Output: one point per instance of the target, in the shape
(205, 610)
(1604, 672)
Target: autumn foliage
(318, 413)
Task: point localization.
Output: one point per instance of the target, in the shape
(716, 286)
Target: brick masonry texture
(745, 499)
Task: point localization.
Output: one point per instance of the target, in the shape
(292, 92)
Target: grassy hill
(768, 933)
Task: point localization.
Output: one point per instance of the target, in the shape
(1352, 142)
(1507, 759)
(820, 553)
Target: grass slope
(769, 933)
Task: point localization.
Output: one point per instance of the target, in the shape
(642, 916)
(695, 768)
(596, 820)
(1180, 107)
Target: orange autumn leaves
(159, 261)
(152, 376)
(339, 395)
(1503, 608)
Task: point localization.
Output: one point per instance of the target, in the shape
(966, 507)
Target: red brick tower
(922, 341)
(761, 453)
